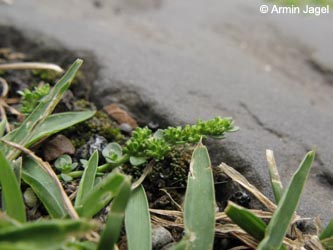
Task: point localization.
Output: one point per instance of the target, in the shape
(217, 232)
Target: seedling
(30, 99)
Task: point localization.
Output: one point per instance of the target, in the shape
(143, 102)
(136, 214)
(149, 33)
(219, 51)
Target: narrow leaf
(45, 188)
(57, 122)
(278, 225)
(137, 221)
(274, 176)
(11, 192)
(111, 232)
(328, 243)
(3, 126)
(327, 232)
(101, 195)
(24, 133)
(199, 213)
(6, 221)
(88, 179)
(42, 234)
(246, 220)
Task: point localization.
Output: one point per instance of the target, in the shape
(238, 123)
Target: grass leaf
(274, 176)
(279, 224)
(246, 220)
(11, 191)
(328, 243)
(43, 234)
(57, 122)
(101, 195)
(3, 126)
(88, 179)
(26, 131)
(199, 205)
(45, 188)
(113, 225)
(137, 221)
(327, 232)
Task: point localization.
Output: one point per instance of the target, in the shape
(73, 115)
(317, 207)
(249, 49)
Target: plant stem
(103, 168)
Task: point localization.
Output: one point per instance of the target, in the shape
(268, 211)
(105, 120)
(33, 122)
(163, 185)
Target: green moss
(171, 172)
(2, 72)
(83, 104)
(99, 124)
(30, 99)
(46, 75)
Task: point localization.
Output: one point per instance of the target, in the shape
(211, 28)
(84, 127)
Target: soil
(169, 174)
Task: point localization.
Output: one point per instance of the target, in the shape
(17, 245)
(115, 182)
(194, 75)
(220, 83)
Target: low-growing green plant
(65, 165)
(145, 145)
(30, 99)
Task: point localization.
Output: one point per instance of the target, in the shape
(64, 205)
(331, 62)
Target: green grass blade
(327, 243)
(101, 195)
(199, 205)
(87, 180)
(3, 126)
(42, 234)
(182, 245)
(45, 188)
(274, 176)
(327, 232)
(23, 134)
(137, 221)
(57, 122)
(6, 221)
(11, 191)
(246, 220)
(111, 232)
(80, 245)
(280, 221)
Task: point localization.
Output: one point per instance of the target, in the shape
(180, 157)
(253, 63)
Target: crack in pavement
(324, 176)
(257, 120)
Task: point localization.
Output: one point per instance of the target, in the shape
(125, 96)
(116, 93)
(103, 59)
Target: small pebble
(96, 142)
(153, 125)
(30, 198)
(126, 128)
(160, 237)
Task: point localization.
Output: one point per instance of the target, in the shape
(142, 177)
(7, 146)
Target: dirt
(169, 174)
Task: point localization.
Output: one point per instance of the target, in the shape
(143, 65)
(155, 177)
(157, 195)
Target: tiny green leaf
(112, 152)
(137, 161)
(88, 179)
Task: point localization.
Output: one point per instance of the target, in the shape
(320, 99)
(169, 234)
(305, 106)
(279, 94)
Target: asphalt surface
(197, 59)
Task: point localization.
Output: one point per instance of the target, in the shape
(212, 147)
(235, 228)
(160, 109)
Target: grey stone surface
(160, 237)
(190, 59)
